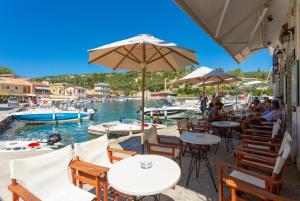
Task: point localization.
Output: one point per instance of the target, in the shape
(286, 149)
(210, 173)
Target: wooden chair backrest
(150, 135)
(40, 174)
(182, 124)
(94, 151)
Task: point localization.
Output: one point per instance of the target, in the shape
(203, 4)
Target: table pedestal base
(156, 197)
(199, 153)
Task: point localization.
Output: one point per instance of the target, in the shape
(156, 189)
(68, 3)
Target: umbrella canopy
(241, 27)
(143, 53)
(206, 75)
(226, 81)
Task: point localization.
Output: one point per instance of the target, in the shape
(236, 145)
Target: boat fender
(34, 144)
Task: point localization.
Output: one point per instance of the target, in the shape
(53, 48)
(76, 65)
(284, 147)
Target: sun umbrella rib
(124, 57)
(187, 58)
(159, 57)
(137, 61)
(103, 55)
(166, 60)
(153, 55)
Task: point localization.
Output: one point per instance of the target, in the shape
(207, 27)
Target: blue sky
(51, 37)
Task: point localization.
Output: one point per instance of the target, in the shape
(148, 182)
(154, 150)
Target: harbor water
(74, 131)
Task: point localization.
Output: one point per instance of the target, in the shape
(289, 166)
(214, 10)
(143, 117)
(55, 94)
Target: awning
(42, 88)
(241, 27)
(16, 94)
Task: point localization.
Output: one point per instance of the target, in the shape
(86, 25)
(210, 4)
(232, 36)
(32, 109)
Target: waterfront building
(39, 88)
(76, 92)
(11, 86)
(102, 88)
(58, 88)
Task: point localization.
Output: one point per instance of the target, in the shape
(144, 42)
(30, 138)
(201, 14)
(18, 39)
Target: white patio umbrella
(208, 76)
(143, 53)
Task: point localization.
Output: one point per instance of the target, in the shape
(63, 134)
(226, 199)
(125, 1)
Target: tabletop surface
(127, 176)
(225, 124)
(200, 139)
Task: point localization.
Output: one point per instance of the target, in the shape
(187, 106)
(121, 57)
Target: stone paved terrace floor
(200, 189)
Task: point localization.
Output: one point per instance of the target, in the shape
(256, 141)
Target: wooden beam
(264, 12)
(157, 58)
(153, 55)
(132, 54)
(222, 18)
(166, 60)
(187, 58)
(124, 57)
(128, 57)
(99, 57)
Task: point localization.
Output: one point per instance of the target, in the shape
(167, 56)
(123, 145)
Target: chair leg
(15, 197)
(98, 189)
(80, 184)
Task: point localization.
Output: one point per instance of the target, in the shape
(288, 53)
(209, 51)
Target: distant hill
(130, 82)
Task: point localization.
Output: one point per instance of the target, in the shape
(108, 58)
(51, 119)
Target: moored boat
(50, 115)
(125, 126)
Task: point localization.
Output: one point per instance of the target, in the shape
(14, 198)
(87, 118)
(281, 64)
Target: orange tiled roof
(38, 83)
(17, 81)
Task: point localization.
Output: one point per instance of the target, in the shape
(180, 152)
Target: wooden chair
(45, 177)
(168, 146)
(268, 153)
(98, 157)
(268, 183)
(249, 192)
(183, 126)
(262, 141)
(261, 162)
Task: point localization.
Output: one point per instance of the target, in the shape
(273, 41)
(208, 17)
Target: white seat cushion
(255, 146)
(70, 193)
(248, 178)
(165, 149)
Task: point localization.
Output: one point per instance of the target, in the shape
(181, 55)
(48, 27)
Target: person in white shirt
(274, 114)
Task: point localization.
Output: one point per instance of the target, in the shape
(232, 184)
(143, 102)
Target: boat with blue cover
(50, 115)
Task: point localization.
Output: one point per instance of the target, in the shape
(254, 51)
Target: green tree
(6, 70)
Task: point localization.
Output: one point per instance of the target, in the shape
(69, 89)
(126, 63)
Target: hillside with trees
(130, 82)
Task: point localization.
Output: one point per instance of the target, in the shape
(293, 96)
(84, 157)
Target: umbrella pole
(143, 105)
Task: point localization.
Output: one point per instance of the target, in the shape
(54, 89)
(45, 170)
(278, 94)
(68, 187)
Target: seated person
(259, 107)
(274, 114)
(253, 102)
(212, 112)
(218, 104)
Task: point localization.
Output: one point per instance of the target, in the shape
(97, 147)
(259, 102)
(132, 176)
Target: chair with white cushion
(261, 160)
(45, 177)
(261, 140)
(97, 156)
(269, 183)
(170, 147)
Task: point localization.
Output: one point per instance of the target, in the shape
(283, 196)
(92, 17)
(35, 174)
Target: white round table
(226, 131)
(200, 139)
(127, 176)
(199, 144)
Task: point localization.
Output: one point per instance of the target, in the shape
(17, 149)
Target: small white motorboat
(125, 126)
(31, 145)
